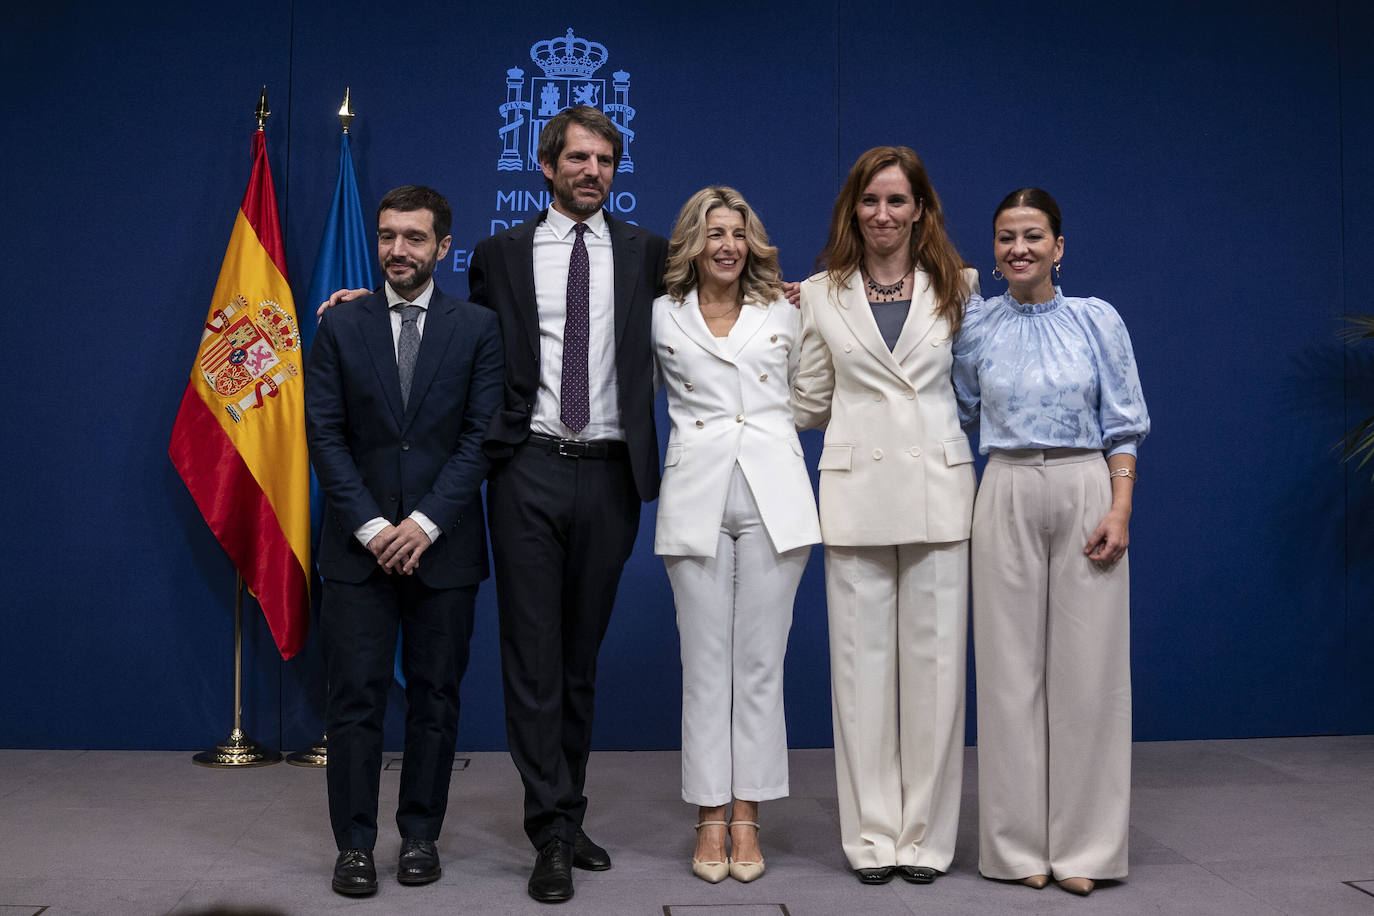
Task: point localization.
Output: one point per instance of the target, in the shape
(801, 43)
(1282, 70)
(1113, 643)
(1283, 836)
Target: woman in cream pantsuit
(736, 516)
(896, 496)
(1051, 587)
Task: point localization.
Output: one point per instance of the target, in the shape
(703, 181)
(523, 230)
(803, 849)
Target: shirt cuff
(428, 527)
(1124, 447)
(370, 529)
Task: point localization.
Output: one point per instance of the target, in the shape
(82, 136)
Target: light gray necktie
(407, 348)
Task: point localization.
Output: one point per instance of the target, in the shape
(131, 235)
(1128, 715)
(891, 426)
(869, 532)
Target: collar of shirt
(562, 224)
(394, 298)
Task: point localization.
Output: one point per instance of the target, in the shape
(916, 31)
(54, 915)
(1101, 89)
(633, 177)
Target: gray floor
(1254, 827)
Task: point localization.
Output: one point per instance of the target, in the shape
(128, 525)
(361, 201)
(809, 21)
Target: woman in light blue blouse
(1051, 381)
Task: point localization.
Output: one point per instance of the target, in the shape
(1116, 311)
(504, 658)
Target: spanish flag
(239, 437)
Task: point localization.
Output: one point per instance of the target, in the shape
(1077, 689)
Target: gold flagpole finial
(262, 111)
(346, 111)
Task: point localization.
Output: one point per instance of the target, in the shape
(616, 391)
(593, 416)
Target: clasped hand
(398, 547)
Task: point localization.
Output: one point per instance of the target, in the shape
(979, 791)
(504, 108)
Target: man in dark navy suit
(401, 386)
(574, 453)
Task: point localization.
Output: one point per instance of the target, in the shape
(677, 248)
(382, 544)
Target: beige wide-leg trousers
(898, 639)
(734, 611)
(1051, 637)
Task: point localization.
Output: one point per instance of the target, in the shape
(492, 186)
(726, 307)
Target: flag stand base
(317, 755)
(238, 750)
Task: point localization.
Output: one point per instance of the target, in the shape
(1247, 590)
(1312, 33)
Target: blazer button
(764, 377)
(405, 446)
(688, 386)
(671, 350)
(848, 347)
(910, 395)
(915, 451)
(739, 418)
(773, 339)
(877, 395)
(700, 425)
(877, 454)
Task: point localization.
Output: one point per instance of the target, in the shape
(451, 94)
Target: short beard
(417, 280)
(575, 205)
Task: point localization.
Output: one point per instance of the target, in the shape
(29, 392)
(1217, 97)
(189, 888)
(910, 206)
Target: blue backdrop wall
(1211, 160)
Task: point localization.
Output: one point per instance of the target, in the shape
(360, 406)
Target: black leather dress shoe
(551, 880)
(917, 874)
(354, 873)
(419, 862)
(879, 875)
(587, 855)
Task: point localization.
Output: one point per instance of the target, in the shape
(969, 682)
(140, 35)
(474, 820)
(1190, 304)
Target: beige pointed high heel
(1080, 886)
(746, 871)
(1036, 881)
(713, 872)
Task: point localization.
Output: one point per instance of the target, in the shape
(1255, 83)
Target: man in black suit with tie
(574, 453)
(400, 388)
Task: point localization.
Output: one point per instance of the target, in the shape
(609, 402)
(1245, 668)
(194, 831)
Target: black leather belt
(579, 448)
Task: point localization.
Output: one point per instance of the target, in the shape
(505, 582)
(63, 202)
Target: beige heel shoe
(713, 872)
(1036, 881)
(1080, 886)
(746, 871)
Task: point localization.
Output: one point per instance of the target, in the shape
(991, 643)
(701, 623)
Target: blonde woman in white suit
(736, 516)
(896, 499)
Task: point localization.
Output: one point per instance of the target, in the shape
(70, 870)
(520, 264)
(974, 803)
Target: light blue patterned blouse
(1057, 374)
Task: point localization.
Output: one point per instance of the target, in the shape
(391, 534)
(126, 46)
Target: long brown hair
(759, 281)
(931, 248)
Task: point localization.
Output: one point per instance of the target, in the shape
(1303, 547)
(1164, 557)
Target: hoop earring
(997, 273)
(1056, 270)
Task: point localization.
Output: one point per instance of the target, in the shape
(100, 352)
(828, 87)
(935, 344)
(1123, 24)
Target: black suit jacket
(501, 277)
(375, 460)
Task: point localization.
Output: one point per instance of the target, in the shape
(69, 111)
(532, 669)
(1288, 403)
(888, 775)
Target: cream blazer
(728, 400)
(896, 468)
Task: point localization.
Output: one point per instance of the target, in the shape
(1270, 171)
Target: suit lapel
(440, 323)
(857, 315)
(919, 320)
(382, 348)
(751, 318)
(626, 256)
(688, 318)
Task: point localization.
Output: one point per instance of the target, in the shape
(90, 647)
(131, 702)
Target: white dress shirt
(370, 529)
(553, 243)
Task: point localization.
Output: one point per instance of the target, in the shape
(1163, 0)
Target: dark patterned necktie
(574, 403)
(407, 348)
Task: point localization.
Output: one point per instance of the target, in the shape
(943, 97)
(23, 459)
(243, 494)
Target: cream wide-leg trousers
(898, 639)
(734, 612)
(1052, 647)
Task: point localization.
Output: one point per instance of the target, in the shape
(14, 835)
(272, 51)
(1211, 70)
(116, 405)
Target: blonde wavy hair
(760, 281)
(931, 248)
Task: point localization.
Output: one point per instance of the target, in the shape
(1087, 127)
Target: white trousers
(1052, 647)
(734, 612)
(898, 639)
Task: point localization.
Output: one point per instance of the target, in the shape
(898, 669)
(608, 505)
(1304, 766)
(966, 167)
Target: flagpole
(317, 755)
(238, 750)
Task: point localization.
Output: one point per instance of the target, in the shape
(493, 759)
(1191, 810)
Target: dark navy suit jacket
(375, 460)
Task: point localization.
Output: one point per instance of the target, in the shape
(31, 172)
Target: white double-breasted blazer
(896, 468)
(728, 400)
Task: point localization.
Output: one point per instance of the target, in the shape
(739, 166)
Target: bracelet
(1124, 472)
